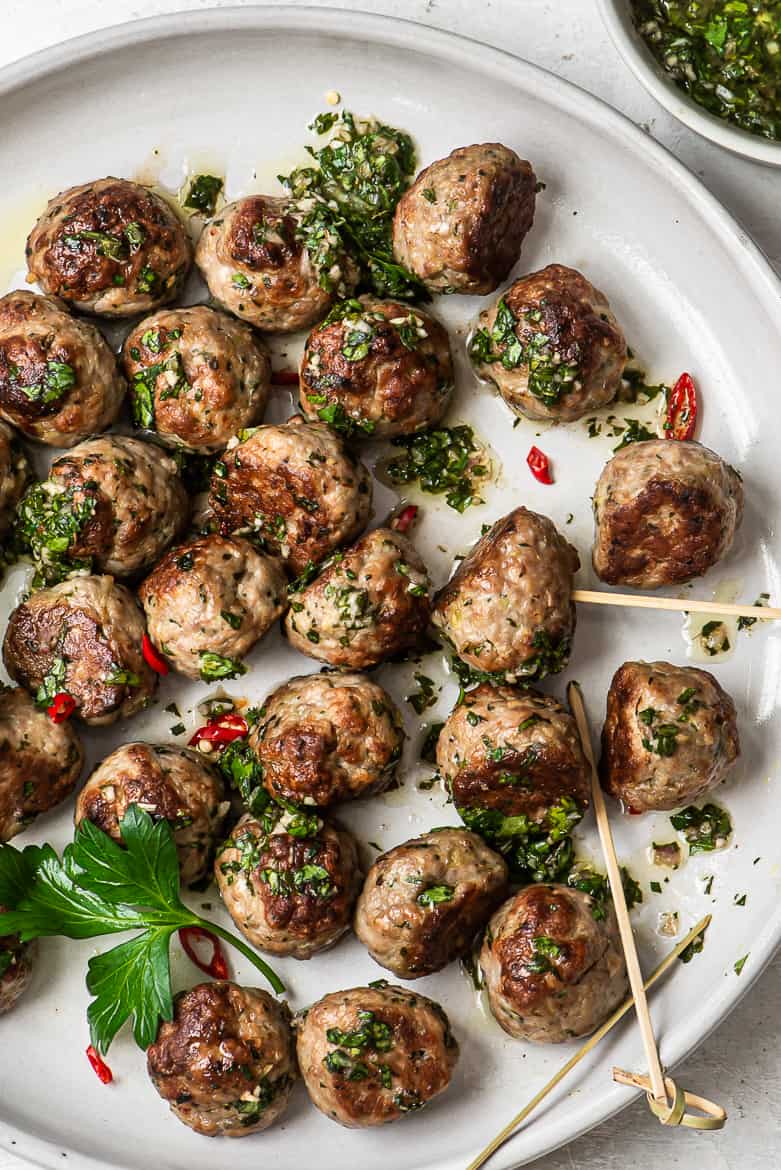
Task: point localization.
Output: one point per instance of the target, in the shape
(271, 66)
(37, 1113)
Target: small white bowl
(617, 15)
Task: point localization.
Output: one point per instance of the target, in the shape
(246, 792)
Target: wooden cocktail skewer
(681, 604)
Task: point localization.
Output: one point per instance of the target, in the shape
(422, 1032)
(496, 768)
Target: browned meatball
(551, 345)
(40, 761)
(59, 380)
(110, 247)
(670, 734)
(507, 609)
(169, 783)
(197, 377)
(376, 369)
(424, 901)
(82, 637)
(226, 1062)
(461, 224)
(553, 965)
(16, 967)
(14, 474)
(665, 511)
(295, 486)
(324, 738)
(289, 895)
(370, 1055)
(369, 604)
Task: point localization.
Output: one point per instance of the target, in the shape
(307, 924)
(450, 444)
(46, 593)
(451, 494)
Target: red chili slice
(152, 658)
(102, 1070)
(217, 967)
(405, 519)
(284, 377)
(62, 707)
(539, 464)
(222, 730)
(681, 416)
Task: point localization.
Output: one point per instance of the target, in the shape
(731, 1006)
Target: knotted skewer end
(672, 1111)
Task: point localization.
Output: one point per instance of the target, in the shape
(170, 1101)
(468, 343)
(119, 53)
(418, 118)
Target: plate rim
(411, 35)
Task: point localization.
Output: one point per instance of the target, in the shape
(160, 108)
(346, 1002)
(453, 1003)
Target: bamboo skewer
(682, 605)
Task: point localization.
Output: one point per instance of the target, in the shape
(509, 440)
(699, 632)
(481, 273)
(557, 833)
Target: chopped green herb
(435, 895)
(214, 667)
(705, 829)
(443, 460)
(203, 193)
(740, 964)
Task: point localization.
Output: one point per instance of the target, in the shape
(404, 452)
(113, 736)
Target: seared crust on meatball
(82, 637)
(514, 751)
(423, 902)
(553, 971)
(551, 345)
(59, 380)
(369, 604)
(507, 609)
(670, 734)
(16, 967)
(296, 486)
(371, 1054)
(110, 247)
(169, 783)
(214, 595)
(461, 224)
(40, 761)
(664, 512)
(197, 377)
(376, 369)
(226, 1062)
(14, 474)
(323, 738)
(289, 895)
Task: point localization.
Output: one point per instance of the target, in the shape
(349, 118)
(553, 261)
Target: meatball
(59, 380)
(209, 601)
(507, 609)
(551, 345)
(553, 965)
(664, 512)
(376, 368)
(461, 224)
(297, 487)
(83, 638)
(111, 247)
(40, 762)
(670, 734)
(424, 901)
(289, 895)
(169, 783)
(324, 738)
(14, 474)
(226, 1062)
(372, 1054)
(256, 265)
(369, 604)
(16, 967)
(197, 377)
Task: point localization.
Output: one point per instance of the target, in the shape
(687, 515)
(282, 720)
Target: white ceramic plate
(233, 90)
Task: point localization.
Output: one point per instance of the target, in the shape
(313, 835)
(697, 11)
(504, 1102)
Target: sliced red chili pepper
(222, 730)
(681, 416)
(217, 967)
(152, 658)
(102, 1070)
(62, 707)
(539, 464)
(405, 519)
(284, 377)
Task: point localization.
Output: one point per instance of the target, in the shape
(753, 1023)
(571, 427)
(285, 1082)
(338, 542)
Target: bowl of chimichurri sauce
(714, 64)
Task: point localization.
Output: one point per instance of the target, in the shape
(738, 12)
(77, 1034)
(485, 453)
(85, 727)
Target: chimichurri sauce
(725, 54)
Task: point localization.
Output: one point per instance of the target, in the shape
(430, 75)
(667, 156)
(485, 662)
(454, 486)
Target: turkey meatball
(256, 266)
(226, 1062)
(369, 604)
(664, 512)
(111, 247)
(16, 967)
(59, 380)
(376, 369)
(372, 1054)
(197, 377)
(289, 895)
(209, 601)
(295, 486)
(324, 738)
(553, 970)
(507, 609)
(40, 761)
(461, 224)
(170, 783)
(424, 901)
(14, 474)
(670, 735)
(551, 345)
(81, 638)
